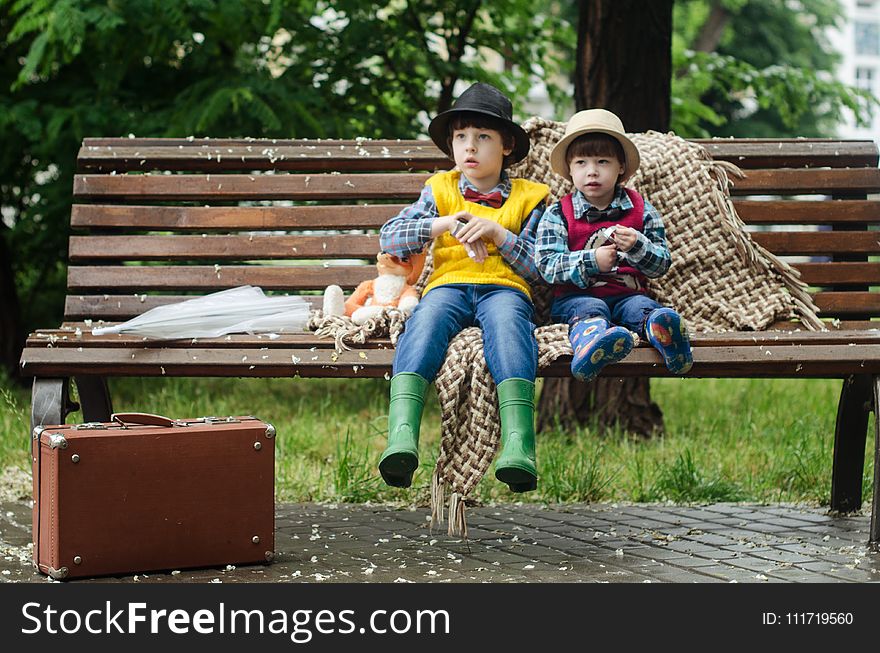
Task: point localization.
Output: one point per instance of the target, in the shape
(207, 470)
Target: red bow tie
(492, 199)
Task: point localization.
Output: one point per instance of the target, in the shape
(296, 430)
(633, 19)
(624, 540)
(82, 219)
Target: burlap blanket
(720, 280)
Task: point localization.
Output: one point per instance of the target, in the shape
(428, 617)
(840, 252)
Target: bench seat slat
(228, 248)
(66, 337)
(208, 279)
(785, 361)
(231, 218)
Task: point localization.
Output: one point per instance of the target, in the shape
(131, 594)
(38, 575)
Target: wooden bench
(156, 221)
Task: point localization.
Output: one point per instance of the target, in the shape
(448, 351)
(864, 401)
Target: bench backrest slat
(793, 152)
(808, 212)
(819, 243)
(829, 274)
(139, 279)
(156, 221)
(144, 154)
(808, 181)
(116, 308)
(221, 248)
(235, 187)
(231, 218)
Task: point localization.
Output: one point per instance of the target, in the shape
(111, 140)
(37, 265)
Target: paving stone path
(616, 543)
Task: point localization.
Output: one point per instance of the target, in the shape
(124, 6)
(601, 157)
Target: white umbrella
(238, 310)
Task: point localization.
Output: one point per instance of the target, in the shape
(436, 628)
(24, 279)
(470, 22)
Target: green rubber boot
(401, 457)
(516, 463)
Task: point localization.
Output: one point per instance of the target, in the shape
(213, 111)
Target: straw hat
(489, 101)
(589, 122)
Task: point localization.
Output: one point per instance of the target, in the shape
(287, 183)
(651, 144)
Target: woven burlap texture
(720, 280)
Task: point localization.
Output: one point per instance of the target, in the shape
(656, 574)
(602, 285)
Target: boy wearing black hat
(599, 245)
(483, 226)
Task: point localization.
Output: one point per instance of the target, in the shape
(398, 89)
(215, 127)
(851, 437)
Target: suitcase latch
(90, 426)
(217, 420)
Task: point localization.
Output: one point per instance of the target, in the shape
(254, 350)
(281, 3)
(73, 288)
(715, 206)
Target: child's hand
(448, 223)
(477, 229)
(477, 251)
(606, 257)
(625, 237)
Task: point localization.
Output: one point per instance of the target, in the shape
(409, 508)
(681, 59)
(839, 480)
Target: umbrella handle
(141, 418)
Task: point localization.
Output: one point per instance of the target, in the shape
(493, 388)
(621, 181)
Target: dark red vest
(583, 234)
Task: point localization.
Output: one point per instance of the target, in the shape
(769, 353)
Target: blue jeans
(505, 315)
(628, 311)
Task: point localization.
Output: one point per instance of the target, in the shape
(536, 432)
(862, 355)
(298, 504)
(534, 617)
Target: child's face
(479, 153)
(596, 177)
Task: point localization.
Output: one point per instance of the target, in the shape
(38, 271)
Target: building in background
(858, 41)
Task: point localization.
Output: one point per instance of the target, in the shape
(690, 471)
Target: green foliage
(769, 75)
(683, 481)
(355, 480)
(274, 68)
(574, 472)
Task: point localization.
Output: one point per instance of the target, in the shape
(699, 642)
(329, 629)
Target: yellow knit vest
(451, 262)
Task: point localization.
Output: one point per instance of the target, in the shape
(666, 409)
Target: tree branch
(463, 32)
(456, 52)
(416, 24)
(713, 29)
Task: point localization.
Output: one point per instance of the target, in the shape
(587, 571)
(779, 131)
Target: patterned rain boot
(667, 332)
(595, 345)
(516, 463)
(401, 457)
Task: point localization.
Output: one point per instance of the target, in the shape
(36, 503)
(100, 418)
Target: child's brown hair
(595, 144)
(479, 121)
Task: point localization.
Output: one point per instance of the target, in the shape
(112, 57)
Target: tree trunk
(713, 29)
(607, 401)
(624, 64)
(624, 60)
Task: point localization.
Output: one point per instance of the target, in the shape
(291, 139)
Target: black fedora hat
(486, 100)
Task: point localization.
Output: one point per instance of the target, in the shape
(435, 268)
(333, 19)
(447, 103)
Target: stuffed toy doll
(392, 288)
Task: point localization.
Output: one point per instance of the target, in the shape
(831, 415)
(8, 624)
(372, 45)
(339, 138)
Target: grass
(763, 440)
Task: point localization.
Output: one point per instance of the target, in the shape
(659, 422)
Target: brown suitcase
(145, 492)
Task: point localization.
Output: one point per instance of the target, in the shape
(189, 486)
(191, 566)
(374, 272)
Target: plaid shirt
(557, 264)
(410, 230)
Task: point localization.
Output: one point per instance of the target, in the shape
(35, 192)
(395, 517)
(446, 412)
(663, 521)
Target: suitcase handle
(141, 418)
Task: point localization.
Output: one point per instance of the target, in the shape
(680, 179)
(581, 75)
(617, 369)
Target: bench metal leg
(875, 508)
(850, 434)
(94, 397)
(50, 401)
